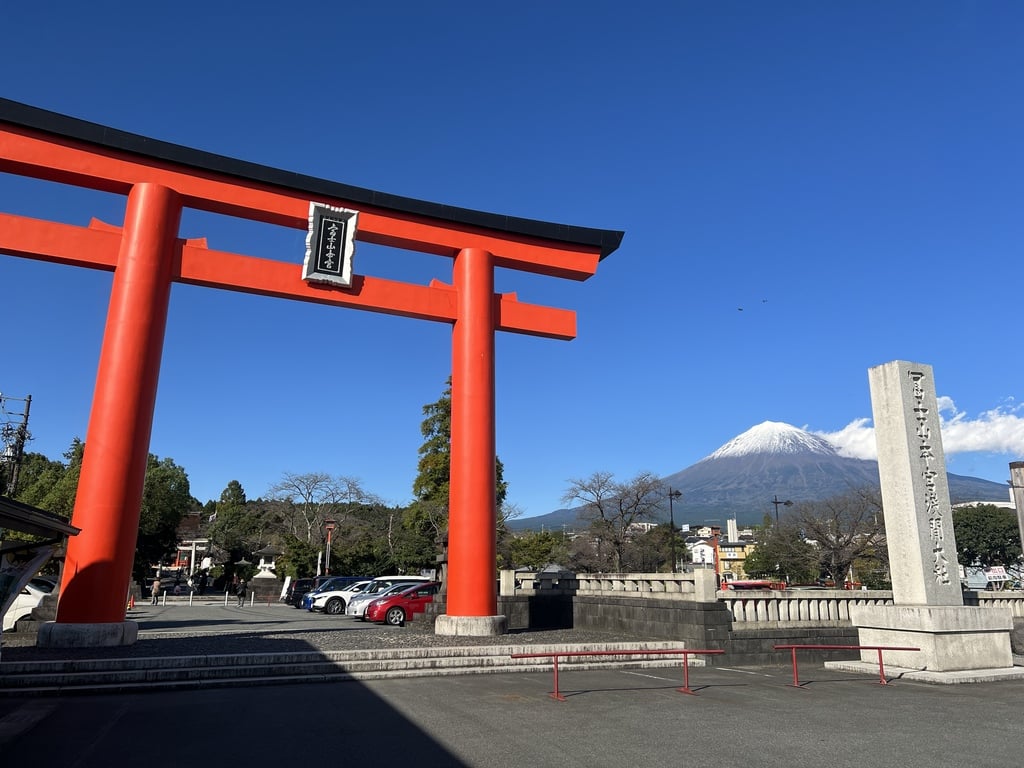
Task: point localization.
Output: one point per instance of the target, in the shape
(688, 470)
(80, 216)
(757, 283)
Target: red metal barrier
(881, 669)
(684, 652)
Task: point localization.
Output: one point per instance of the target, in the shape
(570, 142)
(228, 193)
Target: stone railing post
(507, 586)
(705, 585)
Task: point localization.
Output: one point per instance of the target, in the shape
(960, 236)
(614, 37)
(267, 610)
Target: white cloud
(1000, 430)
(856, 440)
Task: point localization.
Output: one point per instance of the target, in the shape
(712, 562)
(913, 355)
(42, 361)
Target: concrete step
(97, 675)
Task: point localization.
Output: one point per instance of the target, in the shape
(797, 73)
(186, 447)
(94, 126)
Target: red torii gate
(146, 257)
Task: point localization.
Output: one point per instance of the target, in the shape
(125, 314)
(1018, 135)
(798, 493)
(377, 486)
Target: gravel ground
(204, 641)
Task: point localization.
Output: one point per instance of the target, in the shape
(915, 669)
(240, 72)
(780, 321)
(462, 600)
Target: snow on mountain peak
(774, 437)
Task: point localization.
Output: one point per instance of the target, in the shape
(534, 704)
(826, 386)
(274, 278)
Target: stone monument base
(54, 635)
(924, 676)
(470, 626)
(950, 638)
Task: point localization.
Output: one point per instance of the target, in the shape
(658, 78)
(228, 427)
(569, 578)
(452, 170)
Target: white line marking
(651, 677)
(744, 671)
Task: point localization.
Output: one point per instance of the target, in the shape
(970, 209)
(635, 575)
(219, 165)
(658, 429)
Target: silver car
(378, 588)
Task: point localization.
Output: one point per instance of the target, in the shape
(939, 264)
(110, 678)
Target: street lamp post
(329, 525)
(776, 502)
(672, 524)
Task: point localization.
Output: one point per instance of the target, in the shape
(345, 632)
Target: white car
(378, 588)
(30, 596)
(333, 600)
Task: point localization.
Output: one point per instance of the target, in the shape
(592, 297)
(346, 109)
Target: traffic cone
(131, 601)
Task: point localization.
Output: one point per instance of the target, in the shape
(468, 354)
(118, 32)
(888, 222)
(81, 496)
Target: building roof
(28, 519)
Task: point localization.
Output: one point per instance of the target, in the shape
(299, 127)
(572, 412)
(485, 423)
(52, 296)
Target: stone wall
(698, 625)
(707, 626)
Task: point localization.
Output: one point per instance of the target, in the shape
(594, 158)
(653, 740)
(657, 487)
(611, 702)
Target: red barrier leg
(555, 694)
(881, 669)
(796, 676)
(686, 676)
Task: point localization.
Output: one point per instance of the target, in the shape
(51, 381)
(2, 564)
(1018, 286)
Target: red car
(400, 607)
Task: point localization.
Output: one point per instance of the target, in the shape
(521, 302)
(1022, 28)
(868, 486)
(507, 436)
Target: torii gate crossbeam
(147, 256)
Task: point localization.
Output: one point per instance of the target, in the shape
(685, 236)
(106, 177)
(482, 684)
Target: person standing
(240, 591)
(154, 591)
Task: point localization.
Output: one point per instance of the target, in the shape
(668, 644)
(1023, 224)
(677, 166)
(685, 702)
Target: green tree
(37, 476)
(52, 485)
(234, 527)
(782, 553)
(233, 495)
(426, 520)
(165, 501)
(986, 535)
(534, 550)
(299, 558)
(611, 507)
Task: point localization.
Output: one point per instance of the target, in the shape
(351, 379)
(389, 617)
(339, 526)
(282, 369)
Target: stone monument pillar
(928, 611)
(1017, 493)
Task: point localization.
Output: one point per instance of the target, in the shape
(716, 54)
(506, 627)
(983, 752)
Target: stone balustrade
(748, 608)
(1014, 601)
(780, 608)
(698, 584)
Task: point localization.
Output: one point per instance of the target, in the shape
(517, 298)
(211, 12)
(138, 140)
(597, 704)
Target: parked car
(378, 588)
(400, 607)
(333, 595)
(29, 597)
(299, 587)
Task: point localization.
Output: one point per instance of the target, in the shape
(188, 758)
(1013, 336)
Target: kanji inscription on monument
(915, 490)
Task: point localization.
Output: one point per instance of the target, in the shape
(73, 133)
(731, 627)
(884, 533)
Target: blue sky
(807, 189)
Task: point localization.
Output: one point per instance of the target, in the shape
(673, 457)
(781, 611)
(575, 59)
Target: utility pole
(14, 439)
(672, 495)
(776, 502)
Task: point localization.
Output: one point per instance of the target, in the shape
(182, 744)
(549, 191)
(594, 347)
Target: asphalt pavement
(621, 718)
(624, 718)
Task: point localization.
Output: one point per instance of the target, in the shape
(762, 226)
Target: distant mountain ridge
(768, 461)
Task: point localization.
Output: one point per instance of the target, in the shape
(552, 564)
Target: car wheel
(395, 617)
(335, 606)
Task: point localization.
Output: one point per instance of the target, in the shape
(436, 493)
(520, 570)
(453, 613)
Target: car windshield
(326, 586)
(43, 584)
(395, 588)
(378, 589)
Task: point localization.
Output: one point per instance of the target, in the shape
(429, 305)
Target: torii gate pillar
(109, 499)
(472, 515)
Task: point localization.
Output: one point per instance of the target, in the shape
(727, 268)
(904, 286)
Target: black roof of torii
(17, 113)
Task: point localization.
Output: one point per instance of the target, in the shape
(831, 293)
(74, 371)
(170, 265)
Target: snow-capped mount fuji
(770, 461)
(774, 437)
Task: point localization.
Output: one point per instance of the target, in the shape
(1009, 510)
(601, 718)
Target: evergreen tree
(782, 554)
(166, 500)
(986, 535)
(426, 520)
